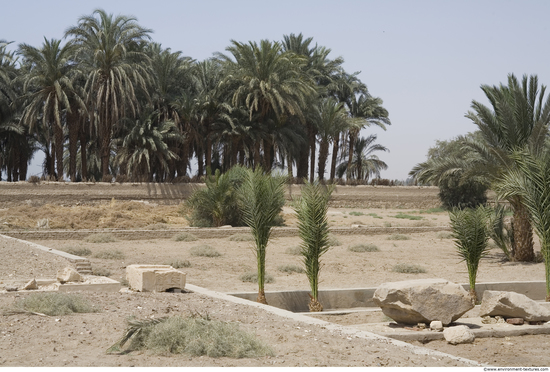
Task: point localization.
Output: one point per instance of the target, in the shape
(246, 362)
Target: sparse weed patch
(114, 254)
(290, 269)
(333, 241)
(157, 226)
(432, 210)
(398, 237)
(101, 271)
(52, 303)
(355, 213)
(252, 277)
(295, 250)
(194, 336)
(204, 251)
(178, 264)
(363, 248)
(374, 215)
(241, 238)
(407, 216)
(77, 251)
(100, 238)
(185, 237)
(408, 269)
(444, 235)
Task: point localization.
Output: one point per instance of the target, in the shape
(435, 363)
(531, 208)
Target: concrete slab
(154, 278)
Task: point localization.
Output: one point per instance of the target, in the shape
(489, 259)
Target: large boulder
(459, 335)
(512, 305)
(423, 300)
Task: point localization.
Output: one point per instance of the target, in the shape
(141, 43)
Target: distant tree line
(109, 102)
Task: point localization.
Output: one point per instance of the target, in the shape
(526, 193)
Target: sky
(426, 59)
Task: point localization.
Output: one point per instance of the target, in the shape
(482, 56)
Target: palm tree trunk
(335, 148)
(83, 155)
(323, 155)
(523, 232)
(352, 136)
(312, 155)
(58, 132)
(72, 123)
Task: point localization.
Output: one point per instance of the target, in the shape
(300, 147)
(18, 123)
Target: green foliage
(398, 237)
(193, 336)
(77, 251)
(204, 251)
(241, 238)
(217, 204)
(406, 268)
(374, 215)
(114, 254)
(363, 248)
(290, 269)
(455, 193)
(355, 213)
(407, 216)
(313, 230)
(100, 238)
(185, 237)
(262, 199)
(471, 234)
(252, 277)
(53, 304)
(178, 264)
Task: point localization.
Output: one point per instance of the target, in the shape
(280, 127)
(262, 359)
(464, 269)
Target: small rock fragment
(515, 321)
(459, 335)
(436, 325)
(11, 289)
(31, 285)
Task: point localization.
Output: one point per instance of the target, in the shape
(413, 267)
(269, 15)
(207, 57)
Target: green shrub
(408, 269)
(398, 237)
(100, 238)
(363, 248)
(252, 277)
(77, 251)
(294, 250)
(355, 213)
(204, 251)
(53, 304)
(456, 193)
(194, 336)
(407, 216)
(241, 238)
(114, 254)
(374, 215)
(178, 264)
(185, 237)
(289, 269)
(101, 271)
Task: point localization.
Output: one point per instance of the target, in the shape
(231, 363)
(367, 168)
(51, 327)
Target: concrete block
(154, 278)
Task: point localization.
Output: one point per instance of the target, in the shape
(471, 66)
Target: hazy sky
(425, 59)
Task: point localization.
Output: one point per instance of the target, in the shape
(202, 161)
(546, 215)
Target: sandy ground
(82, 339)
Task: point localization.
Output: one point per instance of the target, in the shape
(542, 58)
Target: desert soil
(82, 339)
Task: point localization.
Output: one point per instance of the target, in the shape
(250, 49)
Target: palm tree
(529, 178)
(314, 232)
(269, 83)
(364, 163)
(48, 87)
(262, 199)
(110, 54)
(144, 150)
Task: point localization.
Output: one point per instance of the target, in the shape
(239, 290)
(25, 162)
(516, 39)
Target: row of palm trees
(515, 128)
(111, 102)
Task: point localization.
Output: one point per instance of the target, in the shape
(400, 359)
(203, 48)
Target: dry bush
(178, 264)
(204, 251)
(53, 304)
(241, 238)
(100, 238)
(333, 241)
(77, 251)
(114, 254)
(398, 237)
(294, 250)
(252, 277)
(101, 271)
(445, 235)
(290, 269)
(185, 237)
(34, 180)
(157, 226)
(359, 248)
(405, 268)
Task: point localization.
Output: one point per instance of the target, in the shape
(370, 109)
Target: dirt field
(81, 340)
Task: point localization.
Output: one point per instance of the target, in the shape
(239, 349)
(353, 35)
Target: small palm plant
(314, 232)
(262, 199)
(530, 180)
(471, 234)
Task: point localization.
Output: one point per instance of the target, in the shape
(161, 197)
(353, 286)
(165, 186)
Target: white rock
(154, 278)
(423, 300)
(459, 335)
(68, 275)
(512, 305)
(31, 285)
(436, 325)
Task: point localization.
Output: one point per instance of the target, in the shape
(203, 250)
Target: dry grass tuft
(77, 251)
(53, 304)
(252, 277)
(241, 238)
(290, 269)
(178, 264)
(185, 237)
(408, 269)
(398, 237)
(294, 250)
(204, 251)
(363, 248)
(100, 238)
(115, 254)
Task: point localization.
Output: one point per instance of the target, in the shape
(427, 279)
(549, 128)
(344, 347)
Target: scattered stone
(68, 275)
(436, 325)
(512, 305)
(423, 300)
(154, 278)
(459, 335)
(515, 321)
(11, 289)
(31, 285)
(421, 325)
(536, 323)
